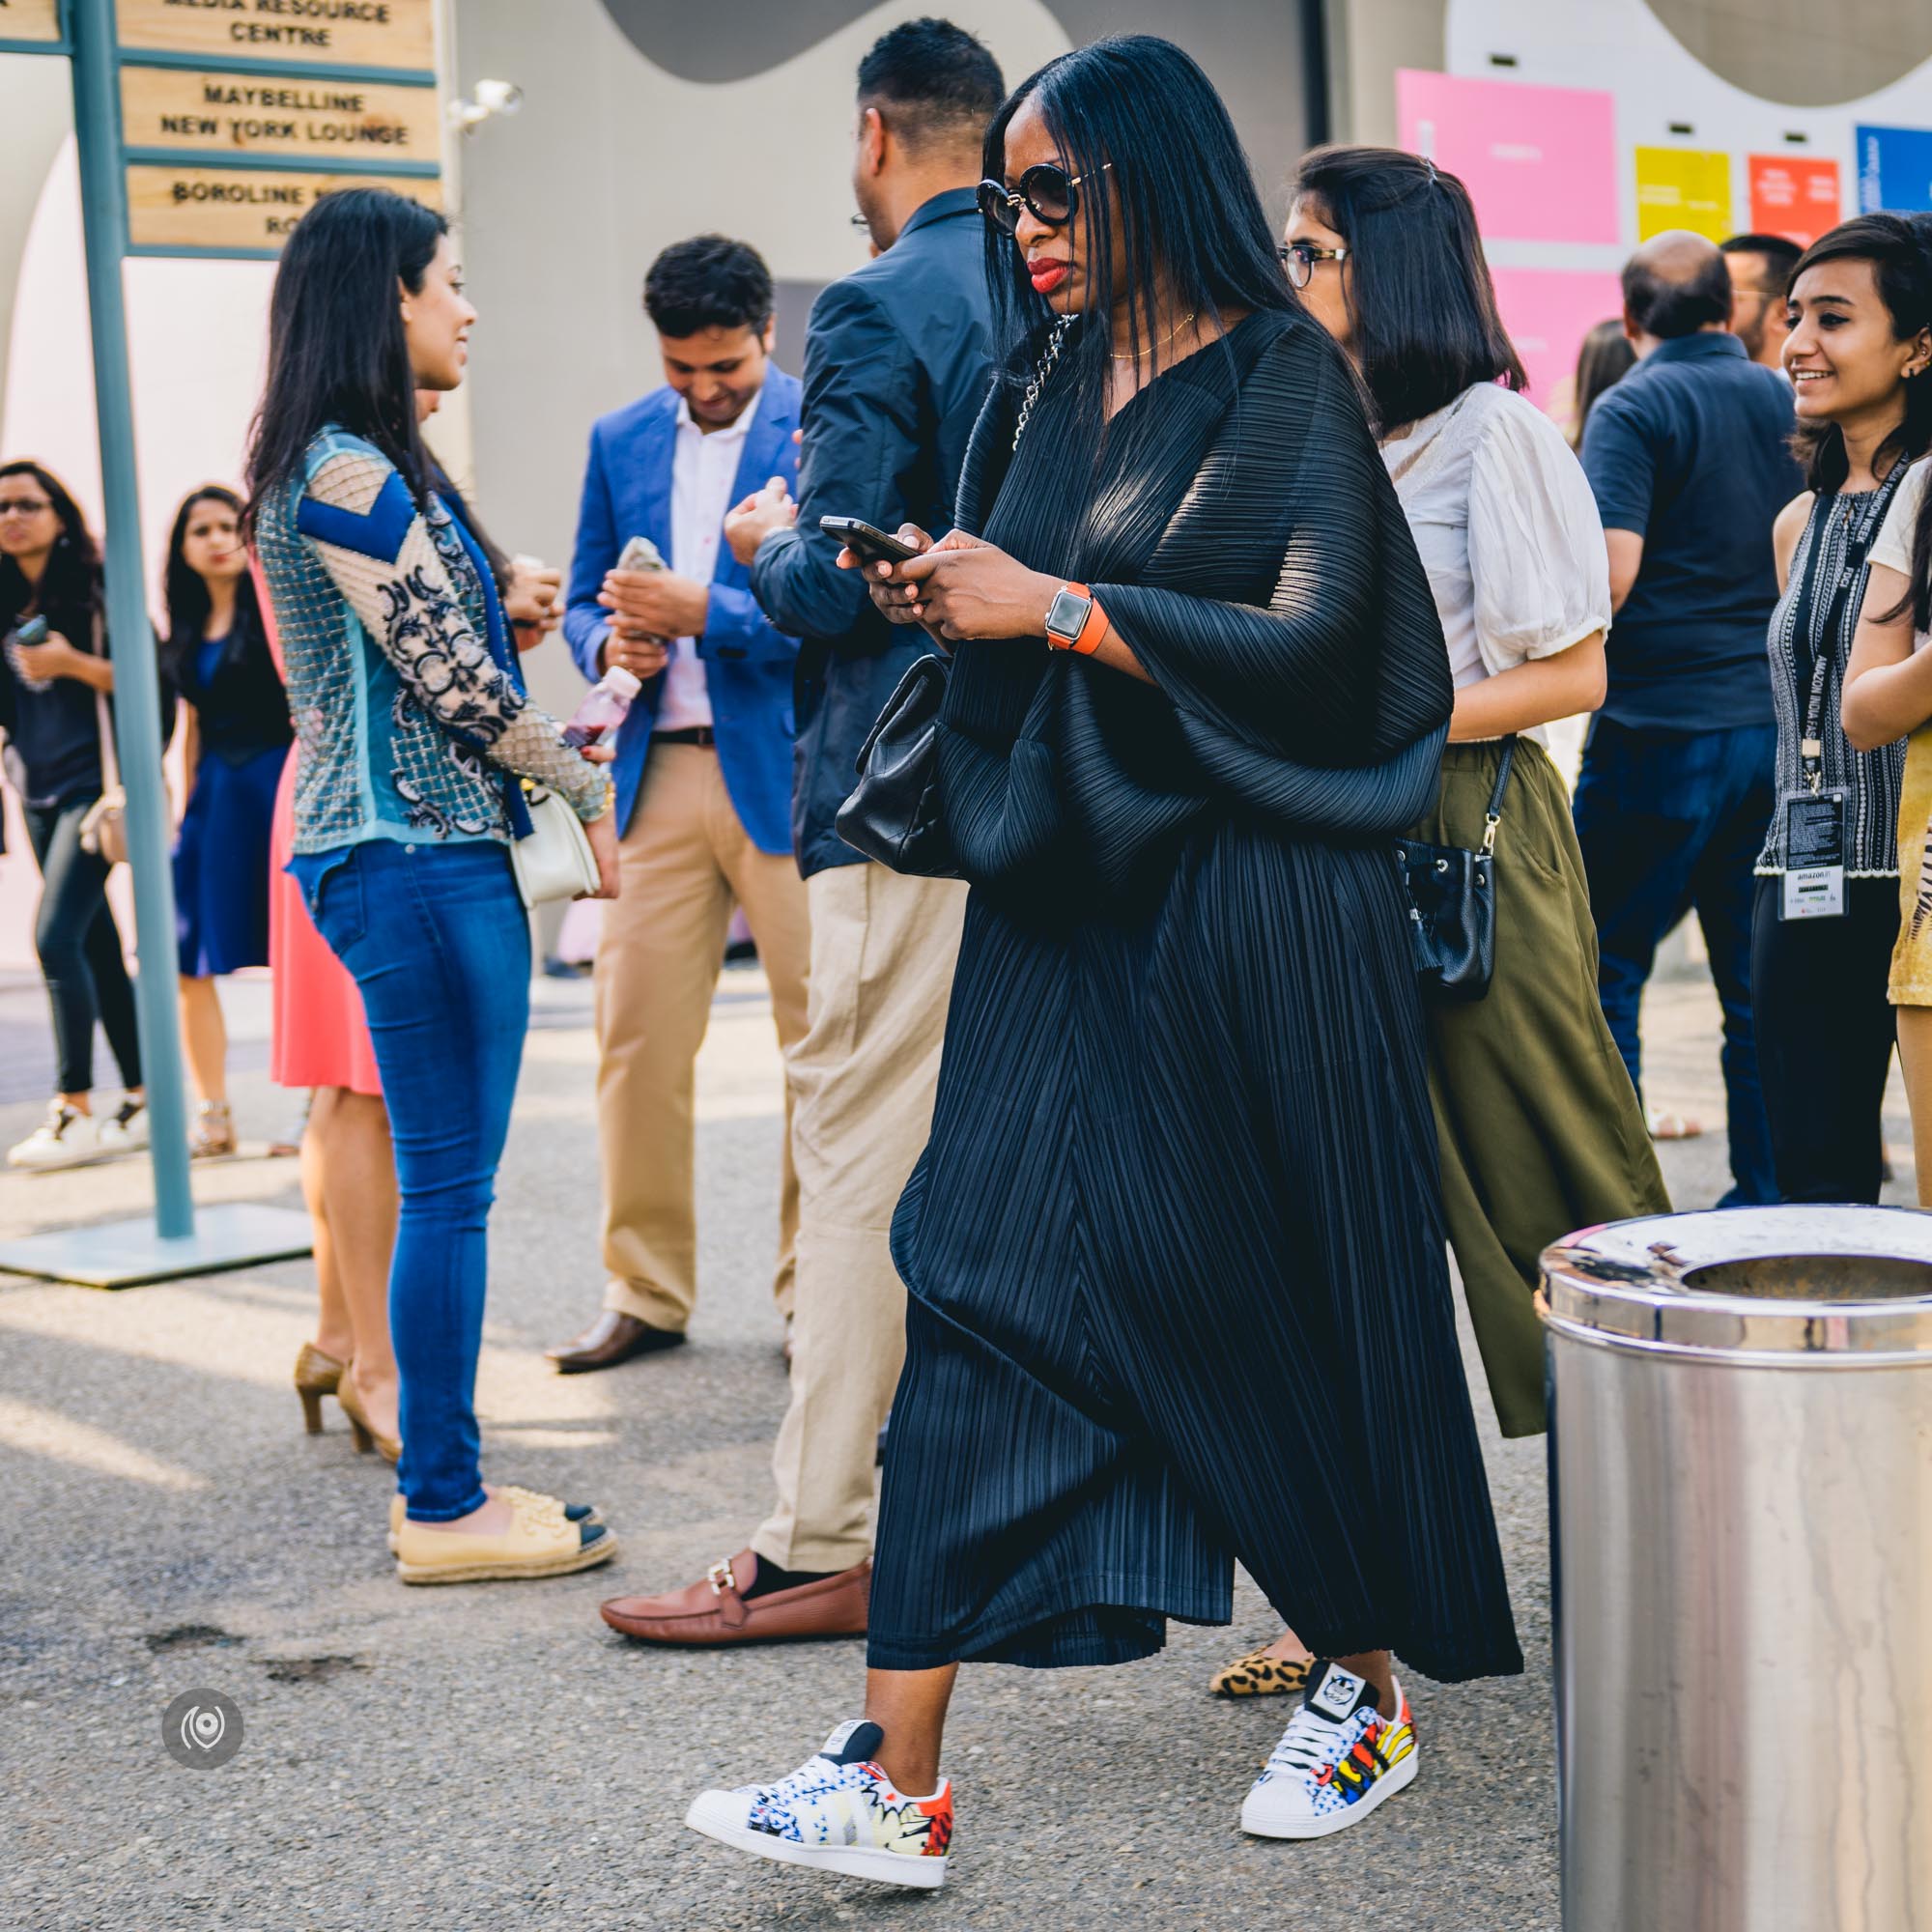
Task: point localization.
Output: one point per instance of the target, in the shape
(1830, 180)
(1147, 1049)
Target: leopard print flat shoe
(1260, 1675)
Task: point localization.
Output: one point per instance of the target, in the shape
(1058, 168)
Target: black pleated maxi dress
(1174, 1249)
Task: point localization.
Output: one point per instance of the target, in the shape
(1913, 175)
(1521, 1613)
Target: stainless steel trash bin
(1741, 1508)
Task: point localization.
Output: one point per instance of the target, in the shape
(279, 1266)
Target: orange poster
(1794, 195)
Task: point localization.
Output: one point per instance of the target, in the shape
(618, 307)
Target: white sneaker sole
(906, 1868)
(1258, 1824)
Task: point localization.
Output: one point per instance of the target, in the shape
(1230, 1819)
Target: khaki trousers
(683, 863)
(883, 950)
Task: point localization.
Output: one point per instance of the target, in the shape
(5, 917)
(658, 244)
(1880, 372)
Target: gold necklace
(1141, 355)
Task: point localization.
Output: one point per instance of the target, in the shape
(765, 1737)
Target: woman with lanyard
(1826, 911)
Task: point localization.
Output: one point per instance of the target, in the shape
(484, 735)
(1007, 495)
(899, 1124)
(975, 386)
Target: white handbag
(554, 862)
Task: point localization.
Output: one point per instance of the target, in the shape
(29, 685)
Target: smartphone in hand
(871, 545)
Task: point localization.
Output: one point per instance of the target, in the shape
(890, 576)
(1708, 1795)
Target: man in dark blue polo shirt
(1687, 459)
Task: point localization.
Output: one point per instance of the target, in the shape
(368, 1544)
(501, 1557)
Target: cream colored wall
(610, 159)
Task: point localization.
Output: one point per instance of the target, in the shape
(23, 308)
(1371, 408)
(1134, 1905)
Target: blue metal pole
(97, 125)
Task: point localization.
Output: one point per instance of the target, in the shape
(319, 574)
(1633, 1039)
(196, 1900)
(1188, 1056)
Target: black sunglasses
(1046, 188)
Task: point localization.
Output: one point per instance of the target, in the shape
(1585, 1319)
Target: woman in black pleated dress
(1177, 1226)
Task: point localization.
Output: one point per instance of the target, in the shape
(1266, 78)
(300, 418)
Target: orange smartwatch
(1074, 622)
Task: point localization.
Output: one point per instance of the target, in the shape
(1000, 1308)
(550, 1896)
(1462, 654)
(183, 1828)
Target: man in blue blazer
(703, 767)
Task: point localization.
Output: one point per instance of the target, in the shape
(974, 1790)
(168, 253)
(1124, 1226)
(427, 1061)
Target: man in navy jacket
(895, 368)
(703, 767)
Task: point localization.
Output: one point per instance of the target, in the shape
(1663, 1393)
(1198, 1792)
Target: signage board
(319, 33)
(1894, 170)
(1684, 187)
(337, 123)
(1539, 163)
(36, 21)
(1793, 195)
(238, 210)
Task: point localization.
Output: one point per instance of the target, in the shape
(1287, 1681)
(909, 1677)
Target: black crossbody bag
(1452, 904)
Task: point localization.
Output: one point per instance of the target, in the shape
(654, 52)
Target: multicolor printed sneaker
(1336, 1762)
(837, 1811)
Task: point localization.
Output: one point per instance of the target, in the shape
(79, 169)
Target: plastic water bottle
(605, 708)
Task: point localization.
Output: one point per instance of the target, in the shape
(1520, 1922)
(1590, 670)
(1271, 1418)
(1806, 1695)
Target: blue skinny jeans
(437, 938)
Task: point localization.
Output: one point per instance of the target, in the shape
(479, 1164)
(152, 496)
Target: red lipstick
(1046, 275)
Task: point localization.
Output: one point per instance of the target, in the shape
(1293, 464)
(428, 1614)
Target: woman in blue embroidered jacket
(415, 734)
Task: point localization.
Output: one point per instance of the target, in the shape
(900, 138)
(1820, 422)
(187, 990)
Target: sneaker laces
(1311, 1743)
(808, 1778)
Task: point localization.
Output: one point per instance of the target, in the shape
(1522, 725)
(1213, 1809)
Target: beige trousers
(684, 861)
(883, 950)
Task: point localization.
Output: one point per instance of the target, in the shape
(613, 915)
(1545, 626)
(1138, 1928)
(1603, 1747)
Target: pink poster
(1547, 313)
(1539, 163)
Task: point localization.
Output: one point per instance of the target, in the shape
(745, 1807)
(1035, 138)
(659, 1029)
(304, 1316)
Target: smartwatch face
(1067, 614)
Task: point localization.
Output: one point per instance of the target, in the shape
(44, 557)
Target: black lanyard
(1859, 536)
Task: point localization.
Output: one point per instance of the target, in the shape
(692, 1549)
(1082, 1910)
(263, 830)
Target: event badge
(1814, 855)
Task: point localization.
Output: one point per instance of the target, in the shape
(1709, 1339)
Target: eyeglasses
(23, 506)
(1300, 258)
(1046, 189)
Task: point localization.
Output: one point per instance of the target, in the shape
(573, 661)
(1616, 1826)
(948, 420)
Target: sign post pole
(228, 152)
(137, 710)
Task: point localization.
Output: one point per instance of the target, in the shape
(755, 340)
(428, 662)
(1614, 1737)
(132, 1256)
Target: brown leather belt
(691, 734)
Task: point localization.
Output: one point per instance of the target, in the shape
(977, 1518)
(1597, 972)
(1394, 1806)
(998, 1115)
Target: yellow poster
(1682, 187)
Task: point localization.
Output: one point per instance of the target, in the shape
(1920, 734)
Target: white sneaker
(1336, 1762)
(66, 1138)
(839, 1812)
(126, 1129)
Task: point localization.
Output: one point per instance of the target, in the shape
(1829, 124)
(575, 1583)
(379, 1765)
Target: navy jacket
(748, 663)
(897, 365)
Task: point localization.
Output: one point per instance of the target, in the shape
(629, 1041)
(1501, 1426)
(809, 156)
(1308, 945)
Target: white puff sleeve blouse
(1508, 530)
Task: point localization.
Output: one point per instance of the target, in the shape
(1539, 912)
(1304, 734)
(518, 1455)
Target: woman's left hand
(969, 590)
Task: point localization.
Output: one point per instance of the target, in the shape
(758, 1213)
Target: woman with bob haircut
(415, 733)
(1539, 1128)
(1178, 1287)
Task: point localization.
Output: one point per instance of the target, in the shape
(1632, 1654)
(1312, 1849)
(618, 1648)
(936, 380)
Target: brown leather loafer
(611, 1339)
(712, 1612)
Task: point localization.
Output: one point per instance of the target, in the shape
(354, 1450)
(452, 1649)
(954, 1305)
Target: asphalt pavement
(492, 1756)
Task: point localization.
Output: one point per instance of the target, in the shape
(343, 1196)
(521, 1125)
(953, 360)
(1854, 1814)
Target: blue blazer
(748, 664)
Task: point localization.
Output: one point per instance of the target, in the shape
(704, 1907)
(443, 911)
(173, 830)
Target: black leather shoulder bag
(1452, 904)
(893, 815)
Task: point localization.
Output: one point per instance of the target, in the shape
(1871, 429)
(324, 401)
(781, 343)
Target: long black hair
(1421, 304)
(69, 595)
(336, 349)
(184, 594)
(1189, 211)
(1899, 249)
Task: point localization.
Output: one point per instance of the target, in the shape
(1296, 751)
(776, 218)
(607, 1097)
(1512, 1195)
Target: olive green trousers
(1540, 1128)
